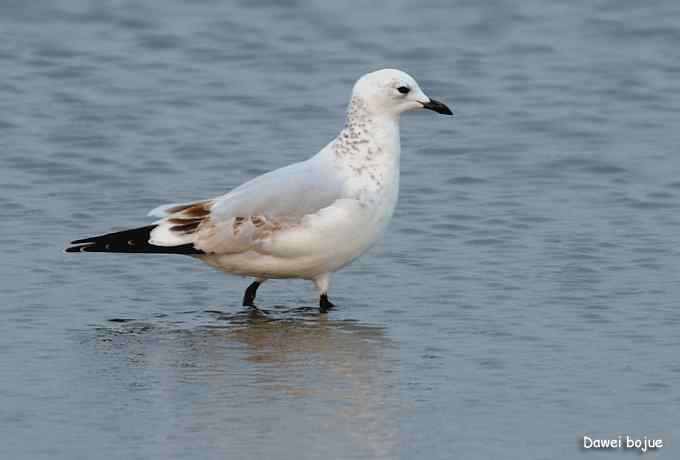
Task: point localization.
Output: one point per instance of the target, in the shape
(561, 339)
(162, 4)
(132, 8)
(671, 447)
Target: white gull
(306, 220)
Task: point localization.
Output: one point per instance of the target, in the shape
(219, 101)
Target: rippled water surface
(526, 293)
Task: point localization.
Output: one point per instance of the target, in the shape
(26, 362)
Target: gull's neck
(368, 137)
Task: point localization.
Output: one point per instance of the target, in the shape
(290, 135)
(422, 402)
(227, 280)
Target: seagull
(306, 220)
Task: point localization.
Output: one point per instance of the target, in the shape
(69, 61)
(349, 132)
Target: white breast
(364, 161)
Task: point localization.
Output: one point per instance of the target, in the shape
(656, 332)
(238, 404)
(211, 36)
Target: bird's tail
(135, 240)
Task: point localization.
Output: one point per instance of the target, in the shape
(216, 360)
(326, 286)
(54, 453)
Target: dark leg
(249, 296)
(325, 304)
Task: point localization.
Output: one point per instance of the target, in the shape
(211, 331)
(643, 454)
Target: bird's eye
(404, 89)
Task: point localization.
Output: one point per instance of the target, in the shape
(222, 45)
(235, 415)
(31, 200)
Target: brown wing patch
(236, 226)
(199, 210)
(200, 207)
(188, 218)
(186, 228)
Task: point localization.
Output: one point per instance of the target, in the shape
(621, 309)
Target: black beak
(437, 107)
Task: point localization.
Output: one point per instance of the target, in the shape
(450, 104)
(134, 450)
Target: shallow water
(525, 295)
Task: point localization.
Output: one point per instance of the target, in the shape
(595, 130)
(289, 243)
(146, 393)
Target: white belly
(322, 243)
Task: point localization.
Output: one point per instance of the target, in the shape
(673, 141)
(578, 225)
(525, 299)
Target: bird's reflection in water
(304, 367)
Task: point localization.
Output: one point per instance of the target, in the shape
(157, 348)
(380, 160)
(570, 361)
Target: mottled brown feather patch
(182, 220)
(201, 207)
(186, 228)
(179, 208)
(187, 218)
(236, 227)
(200, 210)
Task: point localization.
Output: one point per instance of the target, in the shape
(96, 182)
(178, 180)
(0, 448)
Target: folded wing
(249, 215)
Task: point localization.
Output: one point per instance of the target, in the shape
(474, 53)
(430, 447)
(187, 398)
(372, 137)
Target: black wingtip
(81, 248)
(135, 240)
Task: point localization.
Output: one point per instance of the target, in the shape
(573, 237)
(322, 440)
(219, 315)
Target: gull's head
(392, 92)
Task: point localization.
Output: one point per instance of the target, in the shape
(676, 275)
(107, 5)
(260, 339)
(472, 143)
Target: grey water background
(526, 293)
